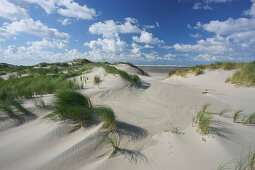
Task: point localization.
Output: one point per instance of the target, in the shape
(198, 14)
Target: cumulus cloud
(67, 8)
(197, 35)
(48, 5)
(251, 11)
(109, 28)
(109, 45)
(73, 9)
(31, 27)
(232, 39)
(45, 44)
(147, 37)
(10, 11)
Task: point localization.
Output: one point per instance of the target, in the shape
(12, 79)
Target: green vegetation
(106, 114)
(244, 163)
(113, 141)
(198, 69)
(72, 105)
(203, 119)
(38, 102)
(245, 76)
(96, 80)
(223, 111)
(250, 119)
(177, 131)
(237, 114)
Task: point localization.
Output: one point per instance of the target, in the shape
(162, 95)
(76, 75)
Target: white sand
(145, 115)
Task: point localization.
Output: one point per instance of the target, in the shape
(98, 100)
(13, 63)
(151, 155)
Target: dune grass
(96, 80)
(198, 69)
(223, 111)
(114, 142)
(236, 116)
(72, 105)
(203, 119)
(250, 119)
(27, 87)
(245, 76)
(38, 102)
(246, 162)
(107, 115)
(77, 107)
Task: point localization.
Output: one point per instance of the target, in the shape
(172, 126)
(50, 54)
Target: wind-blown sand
(145, 117)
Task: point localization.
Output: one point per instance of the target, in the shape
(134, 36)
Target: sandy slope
(145, 115)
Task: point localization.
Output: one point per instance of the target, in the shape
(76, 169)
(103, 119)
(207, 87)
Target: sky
(158, 32)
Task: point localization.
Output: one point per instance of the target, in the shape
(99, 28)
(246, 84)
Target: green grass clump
(72, 105)
(203, 119)
(27, 87)
(197, 71)
(113, 141)
(245, 76)
(223, 111)
(106, 114)
(77, 107)
(96, 80)
(228, 66)
(250, 119)
(246, 162)
(9, 105)
(237, 114)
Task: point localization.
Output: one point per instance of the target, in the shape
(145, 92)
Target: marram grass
(203, 119)
(107, 115)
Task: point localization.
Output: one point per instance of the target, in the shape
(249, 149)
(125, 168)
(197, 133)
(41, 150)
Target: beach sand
(145, 116)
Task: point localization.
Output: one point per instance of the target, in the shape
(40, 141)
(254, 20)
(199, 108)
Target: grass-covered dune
(24, 82)
(243, 76)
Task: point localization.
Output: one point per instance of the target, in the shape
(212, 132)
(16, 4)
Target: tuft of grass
(203, 119)
(177, 131)
(246, 162)
(250, 119)
(237, 115)
(223, 111)
(228, 80)
(107, 115)
(113, 141)
(96, 80)
(72, 105)
(197, 71)
(38, 102)
(245, 76)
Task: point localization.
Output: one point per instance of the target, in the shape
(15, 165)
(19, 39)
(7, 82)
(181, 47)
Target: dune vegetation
(71, 105)
(26, 82)
(243, 76)
(246, 162)
(203, 119)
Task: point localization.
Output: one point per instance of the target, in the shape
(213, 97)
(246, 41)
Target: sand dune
(145, 117)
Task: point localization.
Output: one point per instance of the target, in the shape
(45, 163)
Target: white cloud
(73, 9)
(230, 26)
(45, 44)
(67, 8)
(148, 46)
(111, 29)
(251, 11)
(157, 24)
(31, 27)
(204, 4)
(10, 11)
(107, 44)
(48, 5)
(147, 37)
(65, 21)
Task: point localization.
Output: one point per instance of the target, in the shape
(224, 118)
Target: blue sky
(175, 32)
